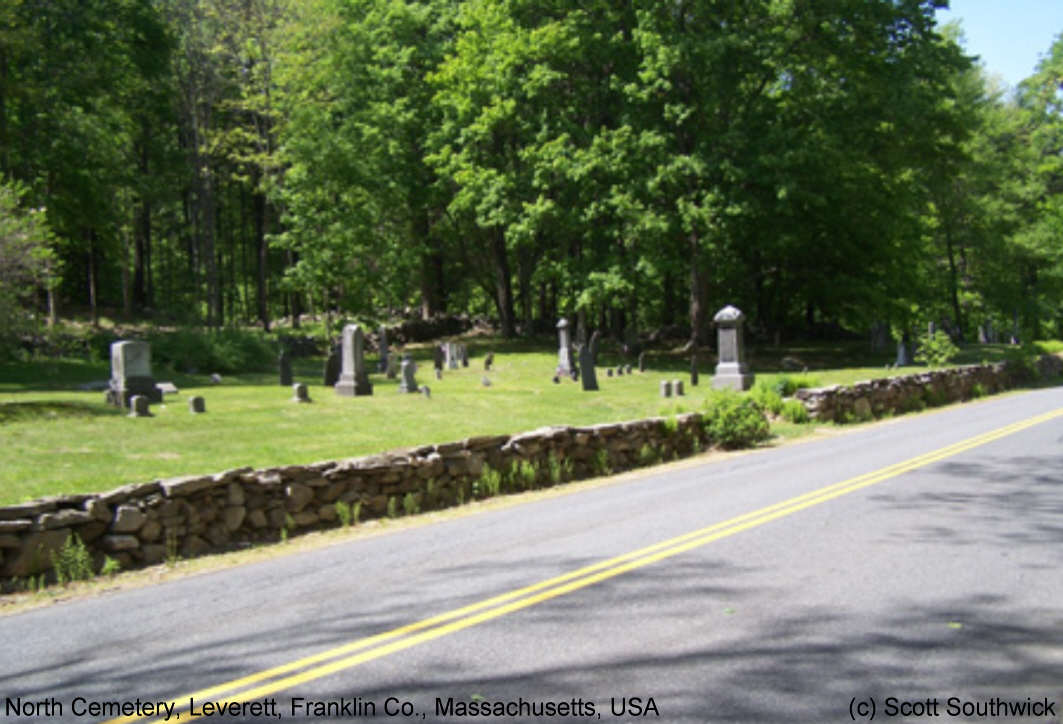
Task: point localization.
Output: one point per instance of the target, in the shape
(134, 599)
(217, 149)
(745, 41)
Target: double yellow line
(286, 676)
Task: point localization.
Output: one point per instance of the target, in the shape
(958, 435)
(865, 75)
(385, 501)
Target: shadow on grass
(52, 410)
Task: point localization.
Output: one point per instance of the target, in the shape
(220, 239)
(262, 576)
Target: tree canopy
(826, 166)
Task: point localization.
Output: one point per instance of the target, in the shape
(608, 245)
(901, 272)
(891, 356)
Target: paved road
(924, 576)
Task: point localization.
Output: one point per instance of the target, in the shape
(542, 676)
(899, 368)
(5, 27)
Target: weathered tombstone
(131, 374)
(437, 357)
(586, 363)
(382, 346)
(731, 370)
(627, 369)
(300, 393)
(139, 406)
(451, 352)
(666, 388)
(904, 351)
(331, 373)
(463, 352)
(677, 387)
(564, 348)
(620, 371)
(408, 383)
(642, 361)
(488, 361)
(392, 370)
(694, 370)
(439, 373)
(609, 372)
(167, 388)
(426, 391)
(284, 368)
(354, 379)
(196, 404)
(983, 336)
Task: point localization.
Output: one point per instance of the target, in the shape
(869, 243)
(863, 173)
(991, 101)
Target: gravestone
(620, 371)
(437, 358)
(426, 391)
(139, 406)
(642, 361)
(463, 352)
(564, 348)
(167, 388)
(408, 383)
(666, 388)
(587, 354)
(627, 369)
(731, 370)
(354, 379)
(609, 372)
(983, 337)
(300, 393)
(677, 387)
(284, 368)
(197, 404)
(451, 353)
(131, 374)
(488, 361)
(693, 370)
(382, 347)
(392, 370)
(439, 373)
(331, 373)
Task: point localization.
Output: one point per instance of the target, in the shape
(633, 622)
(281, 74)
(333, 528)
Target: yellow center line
(404, 637)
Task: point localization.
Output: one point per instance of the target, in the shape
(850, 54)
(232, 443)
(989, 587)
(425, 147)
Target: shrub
(767, 397)
(72, 562)
(786, 385)
(489, 483)
(227, 350)
(794, 411)
(936, 350)
(734, 421)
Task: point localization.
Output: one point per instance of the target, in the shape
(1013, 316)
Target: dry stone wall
(875, 398)
(147, 523)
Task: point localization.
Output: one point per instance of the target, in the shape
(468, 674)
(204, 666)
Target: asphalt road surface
(909, 571)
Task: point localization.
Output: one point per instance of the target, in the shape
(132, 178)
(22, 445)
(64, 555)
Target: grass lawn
(57, 439)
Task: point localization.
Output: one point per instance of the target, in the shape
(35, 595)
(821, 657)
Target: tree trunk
(262, 290)
(93, 310)
(503, 283)
(697, 294)
(954, 285)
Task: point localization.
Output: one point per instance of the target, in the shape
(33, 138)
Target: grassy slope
(59, 440)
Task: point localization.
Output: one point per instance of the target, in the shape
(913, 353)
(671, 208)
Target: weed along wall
(875, 398)
(142, 524)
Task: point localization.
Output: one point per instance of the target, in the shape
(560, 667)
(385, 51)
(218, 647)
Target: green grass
(57, 439)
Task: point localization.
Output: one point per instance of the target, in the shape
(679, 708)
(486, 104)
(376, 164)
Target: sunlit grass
(57, 439)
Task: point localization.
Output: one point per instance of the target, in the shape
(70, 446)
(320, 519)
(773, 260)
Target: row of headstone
(672, 387)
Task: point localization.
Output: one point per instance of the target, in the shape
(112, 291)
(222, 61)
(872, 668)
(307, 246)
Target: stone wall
(146, 523)
(875, 398)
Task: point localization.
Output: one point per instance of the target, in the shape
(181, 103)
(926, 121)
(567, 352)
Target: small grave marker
(197, 405)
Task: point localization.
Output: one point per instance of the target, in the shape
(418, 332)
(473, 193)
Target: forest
(829, 166)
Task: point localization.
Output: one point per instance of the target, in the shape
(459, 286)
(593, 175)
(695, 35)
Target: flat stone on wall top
(187, 485)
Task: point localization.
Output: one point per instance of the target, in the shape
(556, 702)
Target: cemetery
(148, 471)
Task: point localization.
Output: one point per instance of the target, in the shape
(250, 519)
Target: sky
(1011, 36)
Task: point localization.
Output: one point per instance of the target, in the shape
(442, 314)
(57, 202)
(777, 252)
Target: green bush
(72, 562)
(732, 420)
(794, 411)
(767, 397)
(228, 350)
(936, 350)
(786, 385)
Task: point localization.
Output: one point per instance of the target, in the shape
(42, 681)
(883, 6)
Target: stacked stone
(190, 515)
